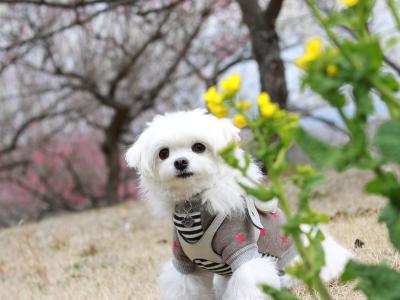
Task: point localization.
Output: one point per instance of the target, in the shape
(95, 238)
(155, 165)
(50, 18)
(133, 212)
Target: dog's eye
(164, 153)
(198, 148)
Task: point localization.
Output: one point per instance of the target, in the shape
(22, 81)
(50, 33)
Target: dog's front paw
(336, 258)
(174, 285)
(245, 281)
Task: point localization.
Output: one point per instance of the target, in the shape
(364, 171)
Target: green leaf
(228, 154)
(386, 184)
(262, 193)
(391, 81)
(313, 217)
(322, 154)
(328, 88)
(387, 139)
(378, 282)
(391, 216)
(277, 294)
(367, 54)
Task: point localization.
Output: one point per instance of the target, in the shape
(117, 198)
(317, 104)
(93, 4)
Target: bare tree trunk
(265, 46)
(110, 148)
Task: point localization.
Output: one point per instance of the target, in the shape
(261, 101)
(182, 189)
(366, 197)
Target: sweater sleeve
(181, 262)
(236, 241)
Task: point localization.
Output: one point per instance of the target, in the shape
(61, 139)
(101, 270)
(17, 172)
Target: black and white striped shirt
(220, 269)
(192, 231)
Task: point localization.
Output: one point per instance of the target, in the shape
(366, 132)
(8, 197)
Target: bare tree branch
(308, 114)
(77, 22)
(9, 166)
(82, 3)
(124, 71)
(392, 64)
(58, 4)
(33, 120)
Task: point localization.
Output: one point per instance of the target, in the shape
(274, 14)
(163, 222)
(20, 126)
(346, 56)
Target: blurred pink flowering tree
(63, 174)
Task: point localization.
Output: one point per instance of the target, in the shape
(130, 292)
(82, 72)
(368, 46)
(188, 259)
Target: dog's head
(180, 150)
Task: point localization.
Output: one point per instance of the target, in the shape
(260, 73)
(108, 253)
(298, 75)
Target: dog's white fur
(163, 189)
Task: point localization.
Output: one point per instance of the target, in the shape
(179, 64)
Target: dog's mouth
(184, 175)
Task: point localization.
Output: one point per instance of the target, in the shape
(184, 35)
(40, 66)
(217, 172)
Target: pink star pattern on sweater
(174, 244)
(240, 237)
(274, 214)
(263, 232)
(283, 239)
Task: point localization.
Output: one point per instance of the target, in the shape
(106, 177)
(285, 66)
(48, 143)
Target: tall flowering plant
(274, 132)
(342, 70)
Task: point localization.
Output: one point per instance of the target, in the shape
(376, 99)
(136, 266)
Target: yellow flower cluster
(312, 53)
(350, 3)
(231, 85)
(214, 102)
(267, 108)
(240, 120)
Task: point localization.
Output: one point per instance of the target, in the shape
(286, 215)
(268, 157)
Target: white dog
(223, 246)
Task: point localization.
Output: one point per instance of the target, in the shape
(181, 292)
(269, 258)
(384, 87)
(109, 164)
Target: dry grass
(115, 253)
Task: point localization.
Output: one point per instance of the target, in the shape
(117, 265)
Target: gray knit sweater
(235, 242)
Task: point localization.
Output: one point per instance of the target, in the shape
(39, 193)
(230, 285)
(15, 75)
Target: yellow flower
(312, 53)
(263, 99)
(231, 85)
(240, 121)
(212, 96)
(301, 62)
(332, 70)
(268, 110)
(313, 48)
(218, 110)
(243, 105)
(349, 3)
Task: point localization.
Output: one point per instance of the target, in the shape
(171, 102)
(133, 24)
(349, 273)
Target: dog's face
(178, 162)
(180, 150)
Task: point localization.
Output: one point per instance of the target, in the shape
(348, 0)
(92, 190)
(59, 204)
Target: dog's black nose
(181, 164)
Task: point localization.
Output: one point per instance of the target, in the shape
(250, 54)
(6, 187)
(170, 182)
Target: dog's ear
(132, 156)
(138, 156)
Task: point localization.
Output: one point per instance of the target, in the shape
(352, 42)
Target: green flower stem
(280, 159)
(284, 203)
(344, 118)
(395, 11)
(275, 168)
(393, 103)
(254, 126)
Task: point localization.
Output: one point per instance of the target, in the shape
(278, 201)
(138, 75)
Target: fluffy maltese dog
(225, 243)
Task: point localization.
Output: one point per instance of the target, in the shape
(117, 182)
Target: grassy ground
(116, 253)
